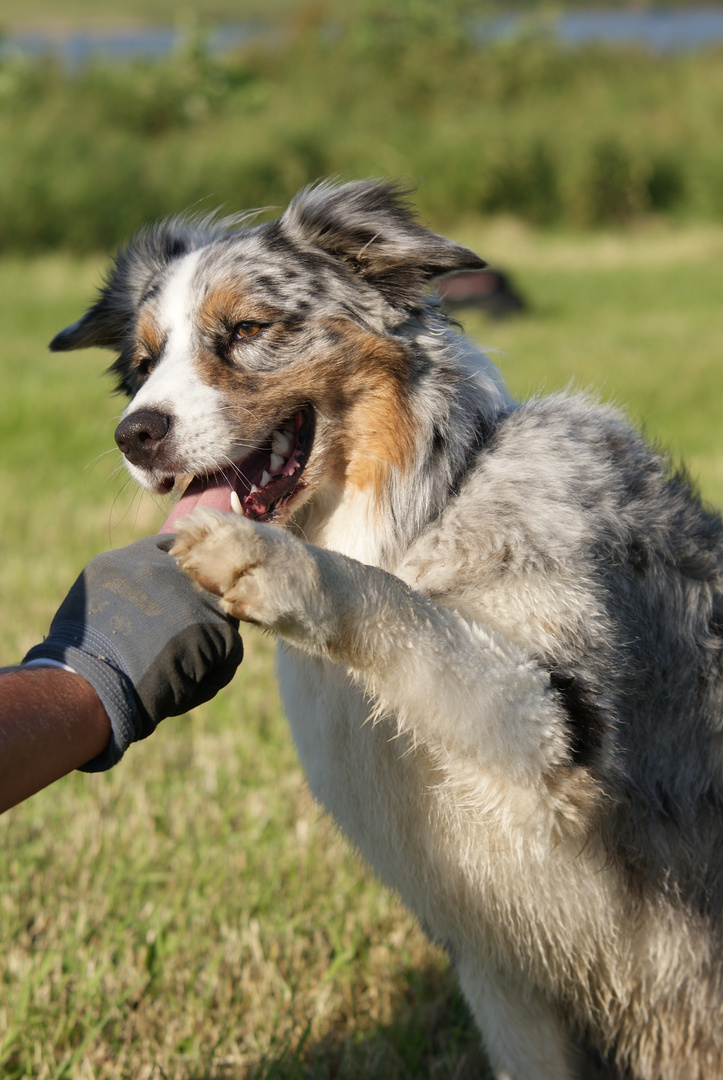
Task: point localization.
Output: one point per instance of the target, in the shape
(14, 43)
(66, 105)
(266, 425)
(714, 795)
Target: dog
(501, 622)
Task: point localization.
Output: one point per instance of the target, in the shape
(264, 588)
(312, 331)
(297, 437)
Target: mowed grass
(192, 914)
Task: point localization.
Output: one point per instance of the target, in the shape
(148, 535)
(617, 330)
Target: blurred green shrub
(580, 138)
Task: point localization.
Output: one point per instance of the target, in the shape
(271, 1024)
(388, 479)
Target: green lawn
(191, 914)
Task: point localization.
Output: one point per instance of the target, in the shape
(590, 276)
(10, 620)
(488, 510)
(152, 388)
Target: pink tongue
(214, 492)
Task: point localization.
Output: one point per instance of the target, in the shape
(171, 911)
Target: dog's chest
(349, 761)
(419, 834)
(384, 794)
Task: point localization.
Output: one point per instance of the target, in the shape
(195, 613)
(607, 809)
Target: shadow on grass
(431, 1037)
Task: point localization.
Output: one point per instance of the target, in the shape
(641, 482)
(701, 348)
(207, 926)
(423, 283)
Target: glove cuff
(98, 661)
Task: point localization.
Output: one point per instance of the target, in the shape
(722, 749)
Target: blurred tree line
(578, 138)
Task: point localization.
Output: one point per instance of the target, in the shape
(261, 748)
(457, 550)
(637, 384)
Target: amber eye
(246, 329)
(144, 366)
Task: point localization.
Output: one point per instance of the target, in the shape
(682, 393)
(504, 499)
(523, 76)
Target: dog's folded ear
(371, 227)
(149, 253)
(102, 326)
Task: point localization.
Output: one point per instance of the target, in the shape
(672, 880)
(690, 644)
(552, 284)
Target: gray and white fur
(501, 622)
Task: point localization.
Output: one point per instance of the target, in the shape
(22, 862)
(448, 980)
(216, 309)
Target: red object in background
(488, 290)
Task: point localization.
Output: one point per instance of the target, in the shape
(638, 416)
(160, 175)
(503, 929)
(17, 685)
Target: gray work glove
(150, 644)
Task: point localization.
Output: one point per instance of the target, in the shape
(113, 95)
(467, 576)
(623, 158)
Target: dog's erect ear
(131, 279)
(371, 226)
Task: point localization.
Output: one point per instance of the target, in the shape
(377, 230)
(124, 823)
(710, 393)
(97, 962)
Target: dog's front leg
(462, 690)
(523, 1037)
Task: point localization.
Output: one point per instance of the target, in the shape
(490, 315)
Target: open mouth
(263, 483)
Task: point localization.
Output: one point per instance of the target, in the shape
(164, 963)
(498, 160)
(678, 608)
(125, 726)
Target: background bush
(581, 138)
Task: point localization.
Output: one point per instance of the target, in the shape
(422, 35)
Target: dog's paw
(253, 568)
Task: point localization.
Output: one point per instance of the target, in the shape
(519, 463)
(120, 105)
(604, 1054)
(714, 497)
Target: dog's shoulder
(561, 485)
(512, 547)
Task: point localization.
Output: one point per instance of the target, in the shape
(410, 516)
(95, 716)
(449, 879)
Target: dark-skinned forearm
(51, 722)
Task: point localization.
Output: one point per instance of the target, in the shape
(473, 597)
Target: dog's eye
(144, 366)
(247, 329)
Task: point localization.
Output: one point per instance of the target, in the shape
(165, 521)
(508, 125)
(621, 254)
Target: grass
(191, 915)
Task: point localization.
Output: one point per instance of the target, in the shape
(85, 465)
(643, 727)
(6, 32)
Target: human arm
(51, 722)
(144, 641)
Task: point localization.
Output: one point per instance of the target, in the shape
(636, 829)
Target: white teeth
(253, 489)
(276, 462)
(265, 478)
(236, 504)
(280, 443)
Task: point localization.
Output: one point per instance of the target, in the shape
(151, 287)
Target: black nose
(140, 434)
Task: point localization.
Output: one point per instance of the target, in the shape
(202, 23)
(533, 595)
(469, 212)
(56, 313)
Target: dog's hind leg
(471, 697)
(523, 1038)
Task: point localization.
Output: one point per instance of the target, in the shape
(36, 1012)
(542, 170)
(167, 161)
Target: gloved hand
(149, 643)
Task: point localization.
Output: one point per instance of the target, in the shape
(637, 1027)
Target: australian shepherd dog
(501, 622)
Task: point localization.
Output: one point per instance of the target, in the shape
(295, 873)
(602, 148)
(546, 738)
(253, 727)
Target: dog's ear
(103, 325)
(131, 279)
(371, 227)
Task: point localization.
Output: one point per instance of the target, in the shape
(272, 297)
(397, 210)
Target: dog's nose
(140, 434)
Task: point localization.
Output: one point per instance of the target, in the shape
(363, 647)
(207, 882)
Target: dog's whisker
(114, 506)
(99, 457)
(236, 468)
(236, 408)
(117, 471)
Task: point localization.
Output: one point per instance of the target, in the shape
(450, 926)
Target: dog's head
(269, 360)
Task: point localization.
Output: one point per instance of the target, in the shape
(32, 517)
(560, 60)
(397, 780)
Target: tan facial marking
(150, 340)
(227, 305)
(379, 427)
